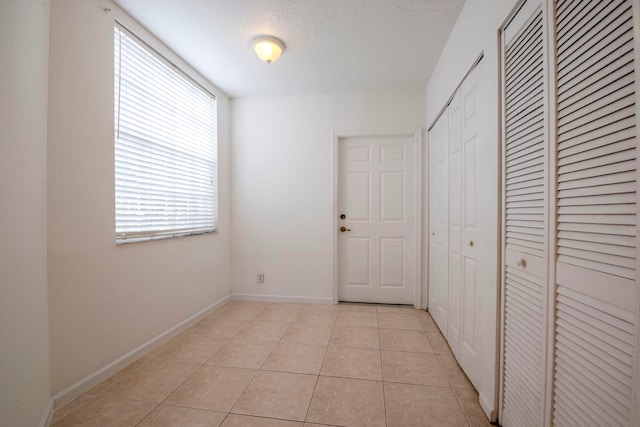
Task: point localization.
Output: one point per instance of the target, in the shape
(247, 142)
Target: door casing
(418, 141)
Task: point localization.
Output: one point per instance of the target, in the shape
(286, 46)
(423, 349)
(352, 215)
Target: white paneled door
(477, 193)
(377, 234)
(439, 222)
(454, 317)
(462, 232)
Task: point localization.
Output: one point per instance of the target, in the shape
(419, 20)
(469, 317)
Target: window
(165, 147)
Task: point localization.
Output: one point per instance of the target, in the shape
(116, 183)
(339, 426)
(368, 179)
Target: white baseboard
(47, 415)
(95, 378)
(282, 298)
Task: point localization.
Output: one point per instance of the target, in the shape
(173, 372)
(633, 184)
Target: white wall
(106, 300)
(282, 179)
(24, 338)
(476, 31)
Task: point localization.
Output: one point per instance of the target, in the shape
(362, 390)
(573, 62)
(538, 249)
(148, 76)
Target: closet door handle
(471, 243)
(522, 263)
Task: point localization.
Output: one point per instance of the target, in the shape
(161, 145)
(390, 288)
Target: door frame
(418, 142)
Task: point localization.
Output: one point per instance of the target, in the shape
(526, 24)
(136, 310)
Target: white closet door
(455, 224)
(597, 213)
(525, 194)
(439, 223)
(478, 201)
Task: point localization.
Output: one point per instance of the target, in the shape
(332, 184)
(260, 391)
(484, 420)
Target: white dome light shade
(268, 48)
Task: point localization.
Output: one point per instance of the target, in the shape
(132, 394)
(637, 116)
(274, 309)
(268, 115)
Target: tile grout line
(321, 365)
(257, 371)
(172, 391)
(464, 413)
(384, 397)
(200, 368)
(275, 346)
(451, 388)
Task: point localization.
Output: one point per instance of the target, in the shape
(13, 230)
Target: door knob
(522, 263)
(343, 229)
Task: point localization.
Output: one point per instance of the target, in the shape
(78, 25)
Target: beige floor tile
(317, 317)
(79, 403)
(164, 345)
(152, 381)
(427, 321)
(280, 313)
(347, 402)
(357, 318)
(397, 309)
(438, 343)
(458, 379)
(218, 327)
(239, 353)
(447, 361)
(468, 400)
(190, 348)
(412, 368)
(173, 416)
(453, 371)
(369, 308)
(320, 307)
(101, 411)
(264, 331)
(214, 388)
(352, 362)
(214, 313)
(399, 321)
(234, 420)
(277, 395)
(417, 405)
(241, 310)
(296, 358)
(354, 336)
(404, 340)
(113, 379)
(308, 333)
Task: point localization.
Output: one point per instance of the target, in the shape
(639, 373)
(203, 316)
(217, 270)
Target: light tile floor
(276, 365)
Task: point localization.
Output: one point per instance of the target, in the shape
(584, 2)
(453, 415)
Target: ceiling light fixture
(268, 48)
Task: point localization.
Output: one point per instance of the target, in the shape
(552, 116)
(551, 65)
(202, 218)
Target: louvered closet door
(597, 213)
(439, 223)
(525, 195)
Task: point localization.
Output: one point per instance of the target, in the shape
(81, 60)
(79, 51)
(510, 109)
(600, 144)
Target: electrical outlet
(260, 277)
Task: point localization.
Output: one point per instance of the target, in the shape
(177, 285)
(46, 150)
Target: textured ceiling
(331, 45)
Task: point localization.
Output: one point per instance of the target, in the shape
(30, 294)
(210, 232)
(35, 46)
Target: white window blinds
(165, 147)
